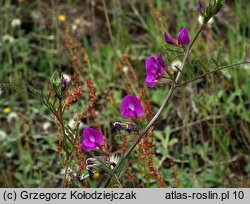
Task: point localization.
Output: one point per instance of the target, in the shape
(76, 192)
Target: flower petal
(160, 60)
(150, 80)
(91, 139)
(152, 65)
(199, 6)
(169, 40)
(131, 107)
(86, 148)
(99, 139)
(183, 37)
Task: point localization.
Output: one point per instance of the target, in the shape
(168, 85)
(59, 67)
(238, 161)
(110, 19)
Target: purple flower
(154, 68)
(127, 126)
(199, 6)
(169, 40)
(64, 83)
(160, 60)
(150, 80)
(118, 126)
(91, 139)
(183, 37)
(131, 107)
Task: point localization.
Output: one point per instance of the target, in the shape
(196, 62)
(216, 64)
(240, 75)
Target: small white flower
(200, 19)
(209, 23)
(46, 126)
(15, 22)
(176, 63)
(66, 76)
(69, 175)
(2, 135)
(72, 124)
(211, 20)
(51, 37)
(74, 27)
(12, 116)
(35, 15)
(125, 69)
(81, 125)
(8, 38)
(113, 161)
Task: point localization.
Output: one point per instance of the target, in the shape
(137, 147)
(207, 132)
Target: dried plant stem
(165, 102)
(108, 21)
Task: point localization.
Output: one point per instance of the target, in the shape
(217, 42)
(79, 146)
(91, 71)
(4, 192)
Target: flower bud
(169, 40)
(183, 37)
(64, 83)
(55, 81)
(127, 126)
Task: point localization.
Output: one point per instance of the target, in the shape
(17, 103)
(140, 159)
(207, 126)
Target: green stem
(64, 136)
(211, 72)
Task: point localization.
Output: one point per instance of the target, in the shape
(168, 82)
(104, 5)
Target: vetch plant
(88, 154)
(183, 40)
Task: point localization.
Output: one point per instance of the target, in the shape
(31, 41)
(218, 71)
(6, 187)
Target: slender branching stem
(165, 102)
(211, 72)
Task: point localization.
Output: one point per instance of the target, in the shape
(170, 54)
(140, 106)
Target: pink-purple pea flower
(183, 37)
(131, 107)
(161, 61)
(151, 80)
(154, 69)
(92, 139)
(169, 40)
